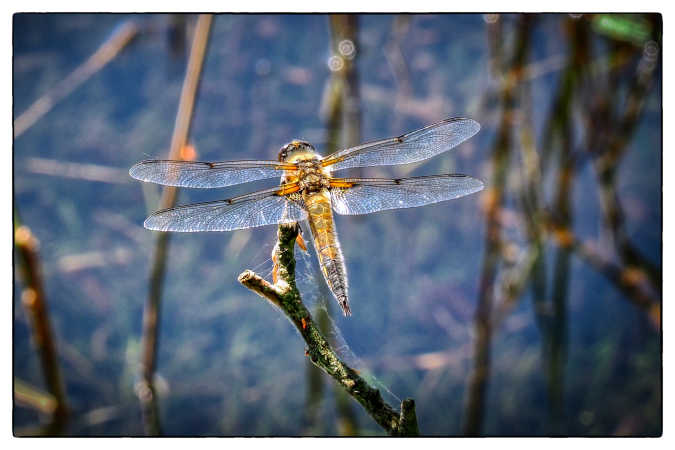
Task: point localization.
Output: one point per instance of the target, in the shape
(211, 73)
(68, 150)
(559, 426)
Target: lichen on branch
(284, 295)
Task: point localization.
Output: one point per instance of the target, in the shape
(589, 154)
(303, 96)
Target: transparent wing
(412, 147)
(252, 210)
(367, 195)
(196, 174)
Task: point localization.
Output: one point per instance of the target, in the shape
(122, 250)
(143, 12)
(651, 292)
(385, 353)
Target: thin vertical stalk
(556, 340)
(345, 29)
(35, 301)
(344, 32)
(151, 313)
(341, 109)
(475, 406)
(552, 320)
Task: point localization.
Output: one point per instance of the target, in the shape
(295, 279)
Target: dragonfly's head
(297, 151)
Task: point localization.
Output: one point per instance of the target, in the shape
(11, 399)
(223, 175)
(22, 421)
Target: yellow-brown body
(327, 245)
(315, 196)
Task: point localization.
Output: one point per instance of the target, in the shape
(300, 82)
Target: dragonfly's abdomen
(327, 245)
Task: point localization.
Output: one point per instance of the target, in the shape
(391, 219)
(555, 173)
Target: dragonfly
(308, 191)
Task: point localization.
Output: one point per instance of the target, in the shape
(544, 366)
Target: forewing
(252, 210)
(412, 147)
(367, 195)
(195, 174)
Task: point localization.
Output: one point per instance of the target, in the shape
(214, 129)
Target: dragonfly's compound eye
(295, 148)
(306, 146)
(283, 153)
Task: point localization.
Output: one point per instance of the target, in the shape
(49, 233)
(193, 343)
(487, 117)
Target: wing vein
(368, 195)
(199, 174)
(260, 208)
(412, 147)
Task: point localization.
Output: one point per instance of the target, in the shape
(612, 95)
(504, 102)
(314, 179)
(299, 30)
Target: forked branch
(285, 296)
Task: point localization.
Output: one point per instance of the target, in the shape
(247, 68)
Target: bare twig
(475, 405)
(631, 280)
(285, 296)
(34, 300)
(553, 318)
(105, 53)
(32, 397)
(607, 165)
(145, 390)
(79, 171)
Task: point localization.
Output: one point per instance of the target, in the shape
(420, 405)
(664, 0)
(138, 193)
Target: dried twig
(34, 300)
(105, 53)
(145, 390)
(608, 162)
(630, 280)
(78, 171)
(285, 295)
(476, 391)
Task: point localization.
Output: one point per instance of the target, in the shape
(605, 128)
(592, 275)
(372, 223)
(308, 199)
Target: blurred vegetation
(533, 309)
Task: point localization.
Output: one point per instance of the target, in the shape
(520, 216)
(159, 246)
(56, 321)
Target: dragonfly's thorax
(311, 176)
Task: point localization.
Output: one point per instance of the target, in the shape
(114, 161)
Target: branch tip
(245, 276)
(407, 423)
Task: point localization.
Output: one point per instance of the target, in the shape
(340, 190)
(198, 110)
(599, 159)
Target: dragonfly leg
(275, 268)
(301, 242)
